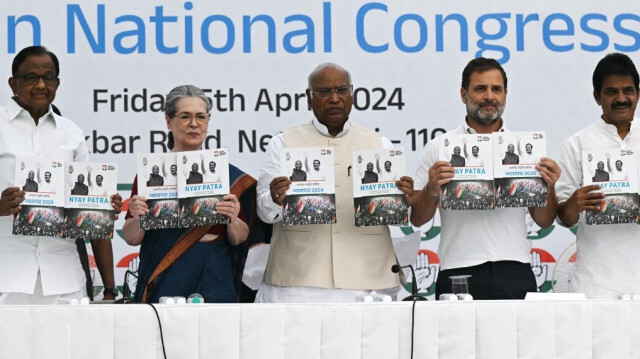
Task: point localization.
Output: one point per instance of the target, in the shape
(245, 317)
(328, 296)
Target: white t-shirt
(96, 190)
(527, 159)
(473, 237)
(313, 175)
(45, 186)
(618, 175)
(474, 161)
(387, 176)
(607, 261)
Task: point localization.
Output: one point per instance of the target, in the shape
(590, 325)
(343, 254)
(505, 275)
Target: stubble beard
(475, 112)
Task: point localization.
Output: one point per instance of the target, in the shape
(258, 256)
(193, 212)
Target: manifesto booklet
(615, 171)
(88, 211)
(472, 186)
(376, 198)
(203, 181)
(517, 182)
(311, 198)
(42, 212)
(158, 183)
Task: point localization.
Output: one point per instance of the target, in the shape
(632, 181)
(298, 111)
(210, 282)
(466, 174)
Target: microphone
(414, 288)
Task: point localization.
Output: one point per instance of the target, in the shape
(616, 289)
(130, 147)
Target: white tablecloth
(499, 329)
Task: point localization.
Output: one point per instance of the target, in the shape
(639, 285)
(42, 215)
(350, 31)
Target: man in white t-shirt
(617, 174)
(97, 188)
(314, 173)
(47, 185)
(385, 174)
(491, 246)
(526, 157)
(473, 160)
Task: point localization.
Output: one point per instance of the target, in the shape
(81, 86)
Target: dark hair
(481, 64)
(614, 64)
(170, 140)
(33, 51)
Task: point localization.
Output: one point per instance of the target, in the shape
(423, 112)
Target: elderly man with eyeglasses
(37, 269)
(325, 262)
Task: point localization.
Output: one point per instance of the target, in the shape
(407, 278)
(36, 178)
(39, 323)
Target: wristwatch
(113, 291)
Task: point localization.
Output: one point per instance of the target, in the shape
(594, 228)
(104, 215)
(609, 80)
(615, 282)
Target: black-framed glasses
(32, 79)
(342, 91)
(186, 118)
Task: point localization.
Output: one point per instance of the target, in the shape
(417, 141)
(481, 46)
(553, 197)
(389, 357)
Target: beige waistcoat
(336, 255)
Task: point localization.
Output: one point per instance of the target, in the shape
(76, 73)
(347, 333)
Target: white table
(499, 329)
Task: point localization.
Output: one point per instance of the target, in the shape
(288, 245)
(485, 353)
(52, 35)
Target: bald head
(318, 70)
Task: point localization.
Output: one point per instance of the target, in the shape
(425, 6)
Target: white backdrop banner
(119, 58)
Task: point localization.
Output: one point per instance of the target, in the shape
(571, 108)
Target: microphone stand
(414, 287)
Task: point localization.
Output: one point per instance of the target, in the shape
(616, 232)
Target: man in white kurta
(606, 263)
(35, 269)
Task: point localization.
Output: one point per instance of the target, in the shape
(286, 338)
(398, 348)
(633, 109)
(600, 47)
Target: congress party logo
(426, 267)
(542, 263)
(130, 263)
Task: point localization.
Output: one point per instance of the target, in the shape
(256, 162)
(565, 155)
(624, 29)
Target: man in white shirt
(96, 189)
(491, 246)
(314, 173)
(210, 175)
(46, 185)
(474, 160)
(386, 174)
(325, 262)
(617, 174)
(526, 157)
(172, 178)
(606, 263)
(33, 269)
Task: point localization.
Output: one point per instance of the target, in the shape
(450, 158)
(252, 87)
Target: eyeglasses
(32, 79)
(340, 91)
(186, 118)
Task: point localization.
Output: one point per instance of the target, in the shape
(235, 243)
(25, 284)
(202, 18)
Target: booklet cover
(311, 198)
(203, 181)
(42, 212)
(158, 183)
(472, 185)
(517, 183)
(88, 211)
(376, 198)
(615, 171)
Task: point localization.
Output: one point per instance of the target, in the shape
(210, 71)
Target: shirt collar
(613, 130)
(325, 131)
(471, 131)
(16, 111)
